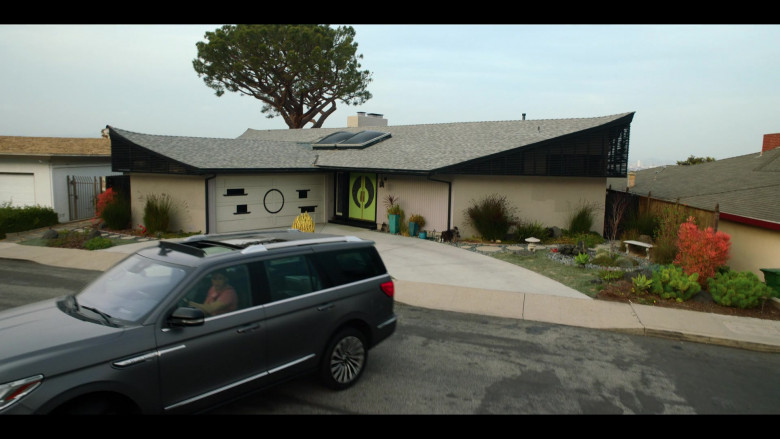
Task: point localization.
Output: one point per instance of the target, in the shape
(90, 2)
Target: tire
(345, 359)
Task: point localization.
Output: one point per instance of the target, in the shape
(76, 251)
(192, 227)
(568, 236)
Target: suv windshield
(131, 289)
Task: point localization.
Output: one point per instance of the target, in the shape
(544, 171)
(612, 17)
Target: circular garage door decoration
(362, 192)
(273, 201)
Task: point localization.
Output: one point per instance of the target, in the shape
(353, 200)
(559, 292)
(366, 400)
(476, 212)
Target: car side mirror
(186, 316)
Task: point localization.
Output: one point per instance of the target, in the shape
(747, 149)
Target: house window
(235, 192)
(241, 209)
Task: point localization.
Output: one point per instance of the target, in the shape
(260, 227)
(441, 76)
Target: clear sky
(704, 90)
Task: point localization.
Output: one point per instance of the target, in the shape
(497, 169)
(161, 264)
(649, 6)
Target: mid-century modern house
(57, 172)
(742, 192)
(546, 169)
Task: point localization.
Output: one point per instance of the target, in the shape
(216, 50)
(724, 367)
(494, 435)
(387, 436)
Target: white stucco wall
(49, 179)
(188, 194)
(40, 169)
(549, 200)
(752, 248)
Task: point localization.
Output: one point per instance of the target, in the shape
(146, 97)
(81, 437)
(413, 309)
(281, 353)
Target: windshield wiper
(105, 316)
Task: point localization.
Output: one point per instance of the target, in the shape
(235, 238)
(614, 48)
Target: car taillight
(388, 288)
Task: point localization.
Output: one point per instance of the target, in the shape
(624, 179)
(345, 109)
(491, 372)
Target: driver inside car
(221, 297)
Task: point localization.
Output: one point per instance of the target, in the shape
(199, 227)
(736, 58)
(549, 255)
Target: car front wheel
(344, 360)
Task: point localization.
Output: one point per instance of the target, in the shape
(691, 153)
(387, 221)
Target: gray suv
(185, 326)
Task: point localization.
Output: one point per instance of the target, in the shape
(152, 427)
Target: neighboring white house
(35, 171)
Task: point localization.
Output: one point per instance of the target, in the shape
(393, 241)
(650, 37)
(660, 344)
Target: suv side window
(351, 265)
(235, 282)
(290, 277)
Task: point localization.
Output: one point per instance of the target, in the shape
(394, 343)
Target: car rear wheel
(344, 360)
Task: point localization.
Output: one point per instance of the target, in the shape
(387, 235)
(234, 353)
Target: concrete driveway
(420, 260)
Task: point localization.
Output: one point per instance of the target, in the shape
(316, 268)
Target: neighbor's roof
(747, 186)
(55, 146)
(415, 148)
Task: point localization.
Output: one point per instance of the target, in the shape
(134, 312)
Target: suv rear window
(351, 265)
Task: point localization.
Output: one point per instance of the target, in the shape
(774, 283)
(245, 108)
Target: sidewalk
(431, 275)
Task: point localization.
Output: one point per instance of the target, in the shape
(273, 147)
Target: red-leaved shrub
(104, 200)
(701, 251)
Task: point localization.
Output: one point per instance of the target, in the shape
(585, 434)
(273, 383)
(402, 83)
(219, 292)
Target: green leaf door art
(362, 197)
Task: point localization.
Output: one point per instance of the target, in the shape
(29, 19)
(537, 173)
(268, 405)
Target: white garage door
(18, 189)
(267, 201)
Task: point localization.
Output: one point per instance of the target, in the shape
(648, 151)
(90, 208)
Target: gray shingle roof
(432, 146)
(215, 153)
(747, 185)
(411, 148)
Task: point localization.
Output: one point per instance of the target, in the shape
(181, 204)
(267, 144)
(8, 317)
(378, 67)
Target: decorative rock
(555, 232)
(50, 234)
(93, 233)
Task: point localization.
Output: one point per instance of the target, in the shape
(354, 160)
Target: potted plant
(416, 223)
(394, 213)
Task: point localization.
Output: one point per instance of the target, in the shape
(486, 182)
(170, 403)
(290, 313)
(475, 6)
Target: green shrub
(740, 289)
(669, 282)
(610, 275)
(665, 244)
(641, 283)
(116, 213)
(590, 239)
(97, 243)
(528, 229)
(604, 259)
(624, 262)
(582, 259)
(157, 213)
(643, 223)
(15, 219)
(581, 220)
(491, 217)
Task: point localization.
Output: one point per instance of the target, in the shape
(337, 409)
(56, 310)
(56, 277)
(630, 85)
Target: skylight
(347, 140)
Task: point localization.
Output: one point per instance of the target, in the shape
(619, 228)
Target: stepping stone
(489, 249)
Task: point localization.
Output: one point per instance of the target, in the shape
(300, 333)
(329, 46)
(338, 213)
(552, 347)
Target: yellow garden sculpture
(304, 223)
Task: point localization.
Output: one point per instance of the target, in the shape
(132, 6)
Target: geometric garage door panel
(249, 202)
(18, 189)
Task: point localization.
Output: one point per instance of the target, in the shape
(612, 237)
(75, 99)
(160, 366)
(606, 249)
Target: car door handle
(326, 307)
(248, 328)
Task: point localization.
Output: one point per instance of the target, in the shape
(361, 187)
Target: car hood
(40, 338)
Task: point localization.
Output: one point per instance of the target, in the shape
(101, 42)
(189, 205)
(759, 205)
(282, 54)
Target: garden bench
(646, 246)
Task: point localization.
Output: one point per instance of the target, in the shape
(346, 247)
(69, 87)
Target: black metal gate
(82, 196)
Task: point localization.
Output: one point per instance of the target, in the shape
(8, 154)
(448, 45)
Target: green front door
(362, 197)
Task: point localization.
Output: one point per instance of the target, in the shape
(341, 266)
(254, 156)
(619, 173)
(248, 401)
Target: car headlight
(16, 390)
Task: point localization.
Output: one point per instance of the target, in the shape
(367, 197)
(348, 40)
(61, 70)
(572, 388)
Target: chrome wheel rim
(347, 359)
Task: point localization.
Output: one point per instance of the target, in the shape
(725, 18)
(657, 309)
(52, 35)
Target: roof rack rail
(294, 243)
(239, 234)
(166, 246)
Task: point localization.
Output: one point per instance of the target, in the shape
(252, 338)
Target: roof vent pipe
(523, 116)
